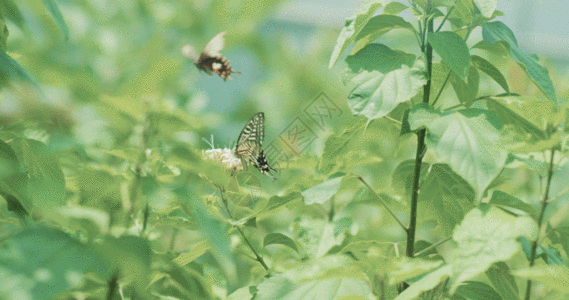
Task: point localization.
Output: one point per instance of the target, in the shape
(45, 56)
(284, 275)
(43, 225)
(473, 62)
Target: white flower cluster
(226, 156)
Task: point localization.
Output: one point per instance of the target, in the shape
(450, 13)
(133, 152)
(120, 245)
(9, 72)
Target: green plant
(441, 183)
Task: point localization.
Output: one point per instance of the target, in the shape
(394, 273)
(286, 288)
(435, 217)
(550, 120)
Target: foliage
(429, 175)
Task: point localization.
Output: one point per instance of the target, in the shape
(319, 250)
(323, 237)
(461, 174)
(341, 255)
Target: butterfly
(249, 145)
(210, 60)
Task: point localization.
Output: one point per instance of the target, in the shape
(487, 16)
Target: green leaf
(199, 249)
(41, 263)
(53, 10)
(377, 27)
(465, 140)
(11, 70)
(466, 91)
(407, 268)
(351, 29)
(426, 283)
(394, 8)
(490, 70)
(453, 50)
(503, 281)
(46, 183)
(446, 198)
(212, 229)
(380, 78)
(504, 199)
(485, 237)
(555, 277)
(475, 290)
(331, 277)
(486, 7)
(10, 10)
(339, 143)
(510, 113)
(130, 256)
(402, 176)
(193, 284)
(550, 255)
(324, 191)
(281, 239)
(317, 236)
(274, 204)
(560, 235)
(493, 32)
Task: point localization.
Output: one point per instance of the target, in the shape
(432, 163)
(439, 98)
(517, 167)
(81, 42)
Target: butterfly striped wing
(249, 145)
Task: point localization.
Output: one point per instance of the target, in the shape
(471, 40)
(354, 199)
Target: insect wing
(215, 45)
(189, 52)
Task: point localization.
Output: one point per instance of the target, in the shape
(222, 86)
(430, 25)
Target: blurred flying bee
(210, 60)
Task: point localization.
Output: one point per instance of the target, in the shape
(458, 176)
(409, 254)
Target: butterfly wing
(215, 45)
(249, 144)
(191, 53)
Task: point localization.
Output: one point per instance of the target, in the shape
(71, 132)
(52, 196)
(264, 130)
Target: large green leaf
(41, 263)
(465, 140)
(352, 28)
(555, 277)
(466, 90)
(510, 113)
(330, 278)
(378, 26)
(324, 191)
(53, 10)
(340, 143)
(446, 198)
(493, 32)
(407, 268)
(379, 79)
(453, 51)
(485, 237)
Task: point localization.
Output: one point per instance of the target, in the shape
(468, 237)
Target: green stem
(428, 50)
(432, 246)
(446, 17)
(383, 203)
(441, 90)
(257, 256)
(544, 203)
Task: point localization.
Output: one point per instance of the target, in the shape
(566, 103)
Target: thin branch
(432, 247)
(257, 256)
(445, 18)
(441, 90)
(544, 203)
(383, 203)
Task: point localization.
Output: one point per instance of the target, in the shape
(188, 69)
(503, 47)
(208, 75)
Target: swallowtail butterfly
(210, 60)
(249, 145)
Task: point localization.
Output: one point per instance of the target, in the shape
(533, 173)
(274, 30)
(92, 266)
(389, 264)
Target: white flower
(226, 157)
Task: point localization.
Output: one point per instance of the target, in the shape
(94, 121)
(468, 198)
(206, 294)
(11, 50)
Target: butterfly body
(210, 60)
(249, 145)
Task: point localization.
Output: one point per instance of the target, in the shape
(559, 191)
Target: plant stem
(544, 203)
(428, 50)
(257, 256)
(433, 246)
(384, 204)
